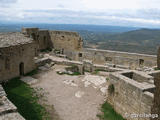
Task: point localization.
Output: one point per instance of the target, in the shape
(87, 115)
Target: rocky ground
(73, 97)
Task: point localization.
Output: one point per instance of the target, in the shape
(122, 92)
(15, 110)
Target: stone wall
(64, 40)
(129, 97)
(158, 58)
(133, 60)
(16, 58)
(43, 39)
(156, 103)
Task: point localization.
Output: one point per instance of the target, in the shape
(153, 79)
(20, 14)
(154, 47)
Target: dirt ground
(73, 98)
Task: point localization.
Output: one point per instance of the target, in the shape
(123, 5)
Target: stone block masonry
(156, 102)
(17, 58)
(131, 94)
(132, 60)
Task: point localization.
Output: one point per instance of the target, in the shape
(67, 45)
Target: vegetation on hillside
(138, 41)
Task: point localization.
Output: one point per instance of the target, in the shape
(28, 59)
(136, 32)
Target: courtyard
(76, 97)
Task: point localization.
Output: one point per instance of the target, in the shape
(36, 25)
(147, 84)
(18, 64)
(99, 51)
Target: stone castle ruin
(134, 87)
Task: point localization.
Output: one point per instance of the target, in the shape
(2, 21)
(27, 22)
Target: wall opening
(141, 62)
(21, 69)
(80, 55)
(44, 40)
(33, 36)
(108, 59)
(62, 51)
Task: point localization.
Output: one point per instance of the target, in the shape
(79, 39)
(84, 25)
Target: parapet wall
(132, 60)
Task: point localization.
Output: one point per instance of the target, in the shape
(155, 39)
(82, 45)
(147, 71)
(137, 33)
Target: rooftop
(13, 38)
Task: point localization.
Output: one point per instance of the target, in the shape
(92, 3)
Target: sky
(138, 13)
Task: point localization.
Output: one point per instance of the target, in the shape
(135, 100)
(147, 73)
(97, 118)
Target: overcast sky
(144, 13)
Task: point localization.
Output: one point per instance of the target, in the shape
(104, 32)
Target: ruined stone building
(132, 89)
(132, 93)
(59, 40)
(16, 55)
(17, 50)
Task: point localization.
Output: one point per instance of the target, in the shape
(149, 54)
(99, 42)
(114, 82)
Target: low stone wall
(84, 65)
(132, 60)
(130, 97)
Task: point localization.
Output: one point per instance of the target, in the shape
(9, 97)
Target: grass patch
(95, 72)
(23, 97)
(109, 113)
(107, 79)
(98, 70)
(156, 68)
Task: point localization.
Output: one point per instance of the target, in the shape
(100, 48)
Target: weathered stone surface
(29, 80)
(158, 58)
(16, 60)
(129, 60)
(2, 92)
(66, 40)
(14, 38)
(132, 94)
(11, 116)
(156, 106)
(7, 107)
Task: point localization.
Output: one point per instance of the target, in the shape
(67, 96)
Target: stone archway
(21, 69)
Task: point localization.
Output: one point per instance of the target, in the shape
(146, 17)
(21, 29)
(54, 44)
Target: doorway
(21, 69)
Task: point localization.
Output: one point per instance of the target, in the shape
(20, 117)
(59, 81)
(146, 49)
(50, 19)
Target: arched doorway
(21, 68)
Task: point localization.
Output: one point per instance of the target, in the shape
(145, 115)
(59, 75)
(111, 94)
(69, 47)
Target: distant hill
(141, 41)
(71, 27)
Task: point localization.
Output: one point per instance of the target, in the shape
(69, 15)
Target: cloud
(122, 17)
(7, 3)
(151, 16)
